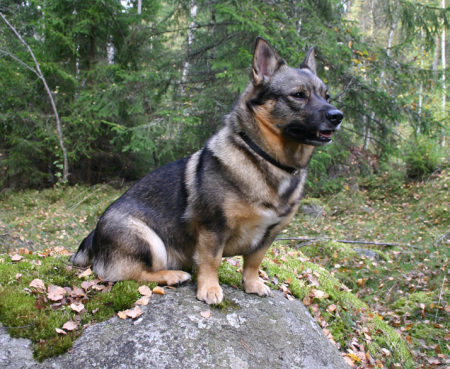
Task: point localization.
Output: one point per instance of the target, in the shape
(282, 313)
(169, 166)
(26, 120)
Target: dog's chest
(254, 225)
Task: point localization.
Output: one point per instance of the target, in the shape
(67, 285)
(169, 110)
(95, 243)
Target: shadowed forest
(95, 94)
(94, 91)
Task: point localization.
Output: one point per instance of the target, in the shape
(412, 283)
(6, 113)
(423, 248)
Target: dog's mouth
(317, 138)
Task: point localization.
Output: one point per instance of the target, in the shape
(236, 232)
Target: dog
(230, 198)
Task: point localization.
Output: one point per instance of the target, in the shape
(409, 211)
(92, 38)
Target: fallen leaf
(159, 290)
(447, 308)
(87, 284)
(60, 331)
(143, 301)
(135, 312)
(77, 292)
(434, 361)
(307, 301)
(16, 257)
(318, 294)
(122, 314)
(206, 314)
(70, 326)
(78, 307)
(386, 352)
(98, 287)
(331, 308)
(18, 275)
(38, 284)
(86, 273)
(55, 296)
(145, 290)
(36, 262)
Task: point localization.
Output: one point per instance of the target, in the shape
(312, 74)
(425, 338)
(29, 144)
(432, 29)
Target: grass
(388, 311)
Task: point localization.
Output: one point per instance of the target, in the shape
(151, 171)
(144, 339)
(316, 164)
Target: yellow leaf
(159, 290)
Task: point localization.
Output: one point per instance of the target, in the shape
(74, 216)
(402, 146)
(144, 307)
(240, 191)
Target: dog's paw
(175, 277)
(212, 294)
(256, 286)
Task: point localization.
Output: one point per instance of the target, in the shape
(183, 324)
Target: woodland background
(137, 84)
(103, 91)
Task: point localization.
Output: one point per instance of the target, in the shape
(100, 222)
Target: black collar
(266, 156)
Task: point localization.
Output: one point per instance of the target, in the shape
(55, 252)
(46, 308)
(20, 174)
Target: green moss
(29, 315)
(226, 305)
(332, 249)
(385, 336)
(411, 302)
(229, 274)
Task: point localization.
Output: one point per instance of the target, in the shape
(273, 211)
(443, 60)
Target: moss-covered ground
(390, 309)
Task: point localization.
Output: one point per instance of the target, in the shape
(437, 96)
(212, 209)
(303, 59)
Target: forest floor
(384, 300)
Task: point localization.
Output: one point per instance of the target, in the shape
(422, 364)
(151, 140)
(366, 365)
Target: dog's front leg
(208, 258)
(250, 275)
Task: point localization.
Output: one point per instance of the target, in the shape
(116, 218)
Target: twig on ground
(312, 240)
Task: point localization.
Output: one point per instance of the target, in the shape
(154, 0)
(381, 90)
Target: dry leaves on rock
(130, 313)
(143, 301)
(159, 291)
(145, 290)
(206, 314)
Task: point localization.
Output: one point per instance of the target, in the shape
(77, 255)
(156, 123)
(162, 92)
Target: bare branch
(49, 93)
(19, 61)
(312, 240)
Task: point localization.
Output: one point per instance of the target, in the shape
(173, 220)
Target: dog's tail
(82, 256)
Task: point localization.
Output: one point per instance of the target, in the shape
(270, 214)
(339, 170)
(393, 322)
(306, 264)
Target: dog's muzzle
(319, 137)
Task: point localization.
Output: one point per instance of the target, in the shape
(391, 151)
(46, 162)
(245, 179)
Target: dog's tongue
(325, 134)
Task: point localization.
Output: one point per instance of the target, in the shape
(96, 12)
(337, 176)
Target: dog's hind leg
(165, 277)
(137, 252)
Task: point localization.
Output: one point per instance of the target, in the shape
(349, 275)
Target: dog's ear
(310, 61)
(265, 61)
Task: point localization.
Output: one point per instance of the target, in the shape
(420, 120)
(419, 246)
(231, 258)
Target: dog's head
(290, 102)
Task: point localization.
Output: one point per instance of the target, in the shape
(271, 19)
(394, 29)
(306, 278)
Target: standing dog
(230, 198)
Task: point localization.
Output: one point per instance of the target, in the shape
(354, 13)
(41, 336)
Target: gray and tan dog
(230, 198)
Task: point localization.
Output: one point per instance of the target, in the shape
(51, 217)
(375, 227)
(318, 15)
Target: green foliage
(135, 91)
(423, 157)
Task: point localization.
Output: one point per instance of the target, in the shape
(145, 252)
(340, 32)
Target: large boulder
(175, 332)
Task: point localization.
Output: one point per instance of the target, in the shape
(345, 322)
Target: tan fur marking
(238, 211)
(250, 275)
(270, 133)
(165, 277)
(286, 151)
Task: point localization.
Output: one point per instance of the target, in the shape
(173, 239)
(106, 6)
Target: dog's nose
(334, 116)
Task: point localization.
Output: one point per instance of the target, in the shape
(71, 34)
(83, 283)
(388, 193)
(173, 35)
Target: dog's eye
(327, 97)
(299, 95)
